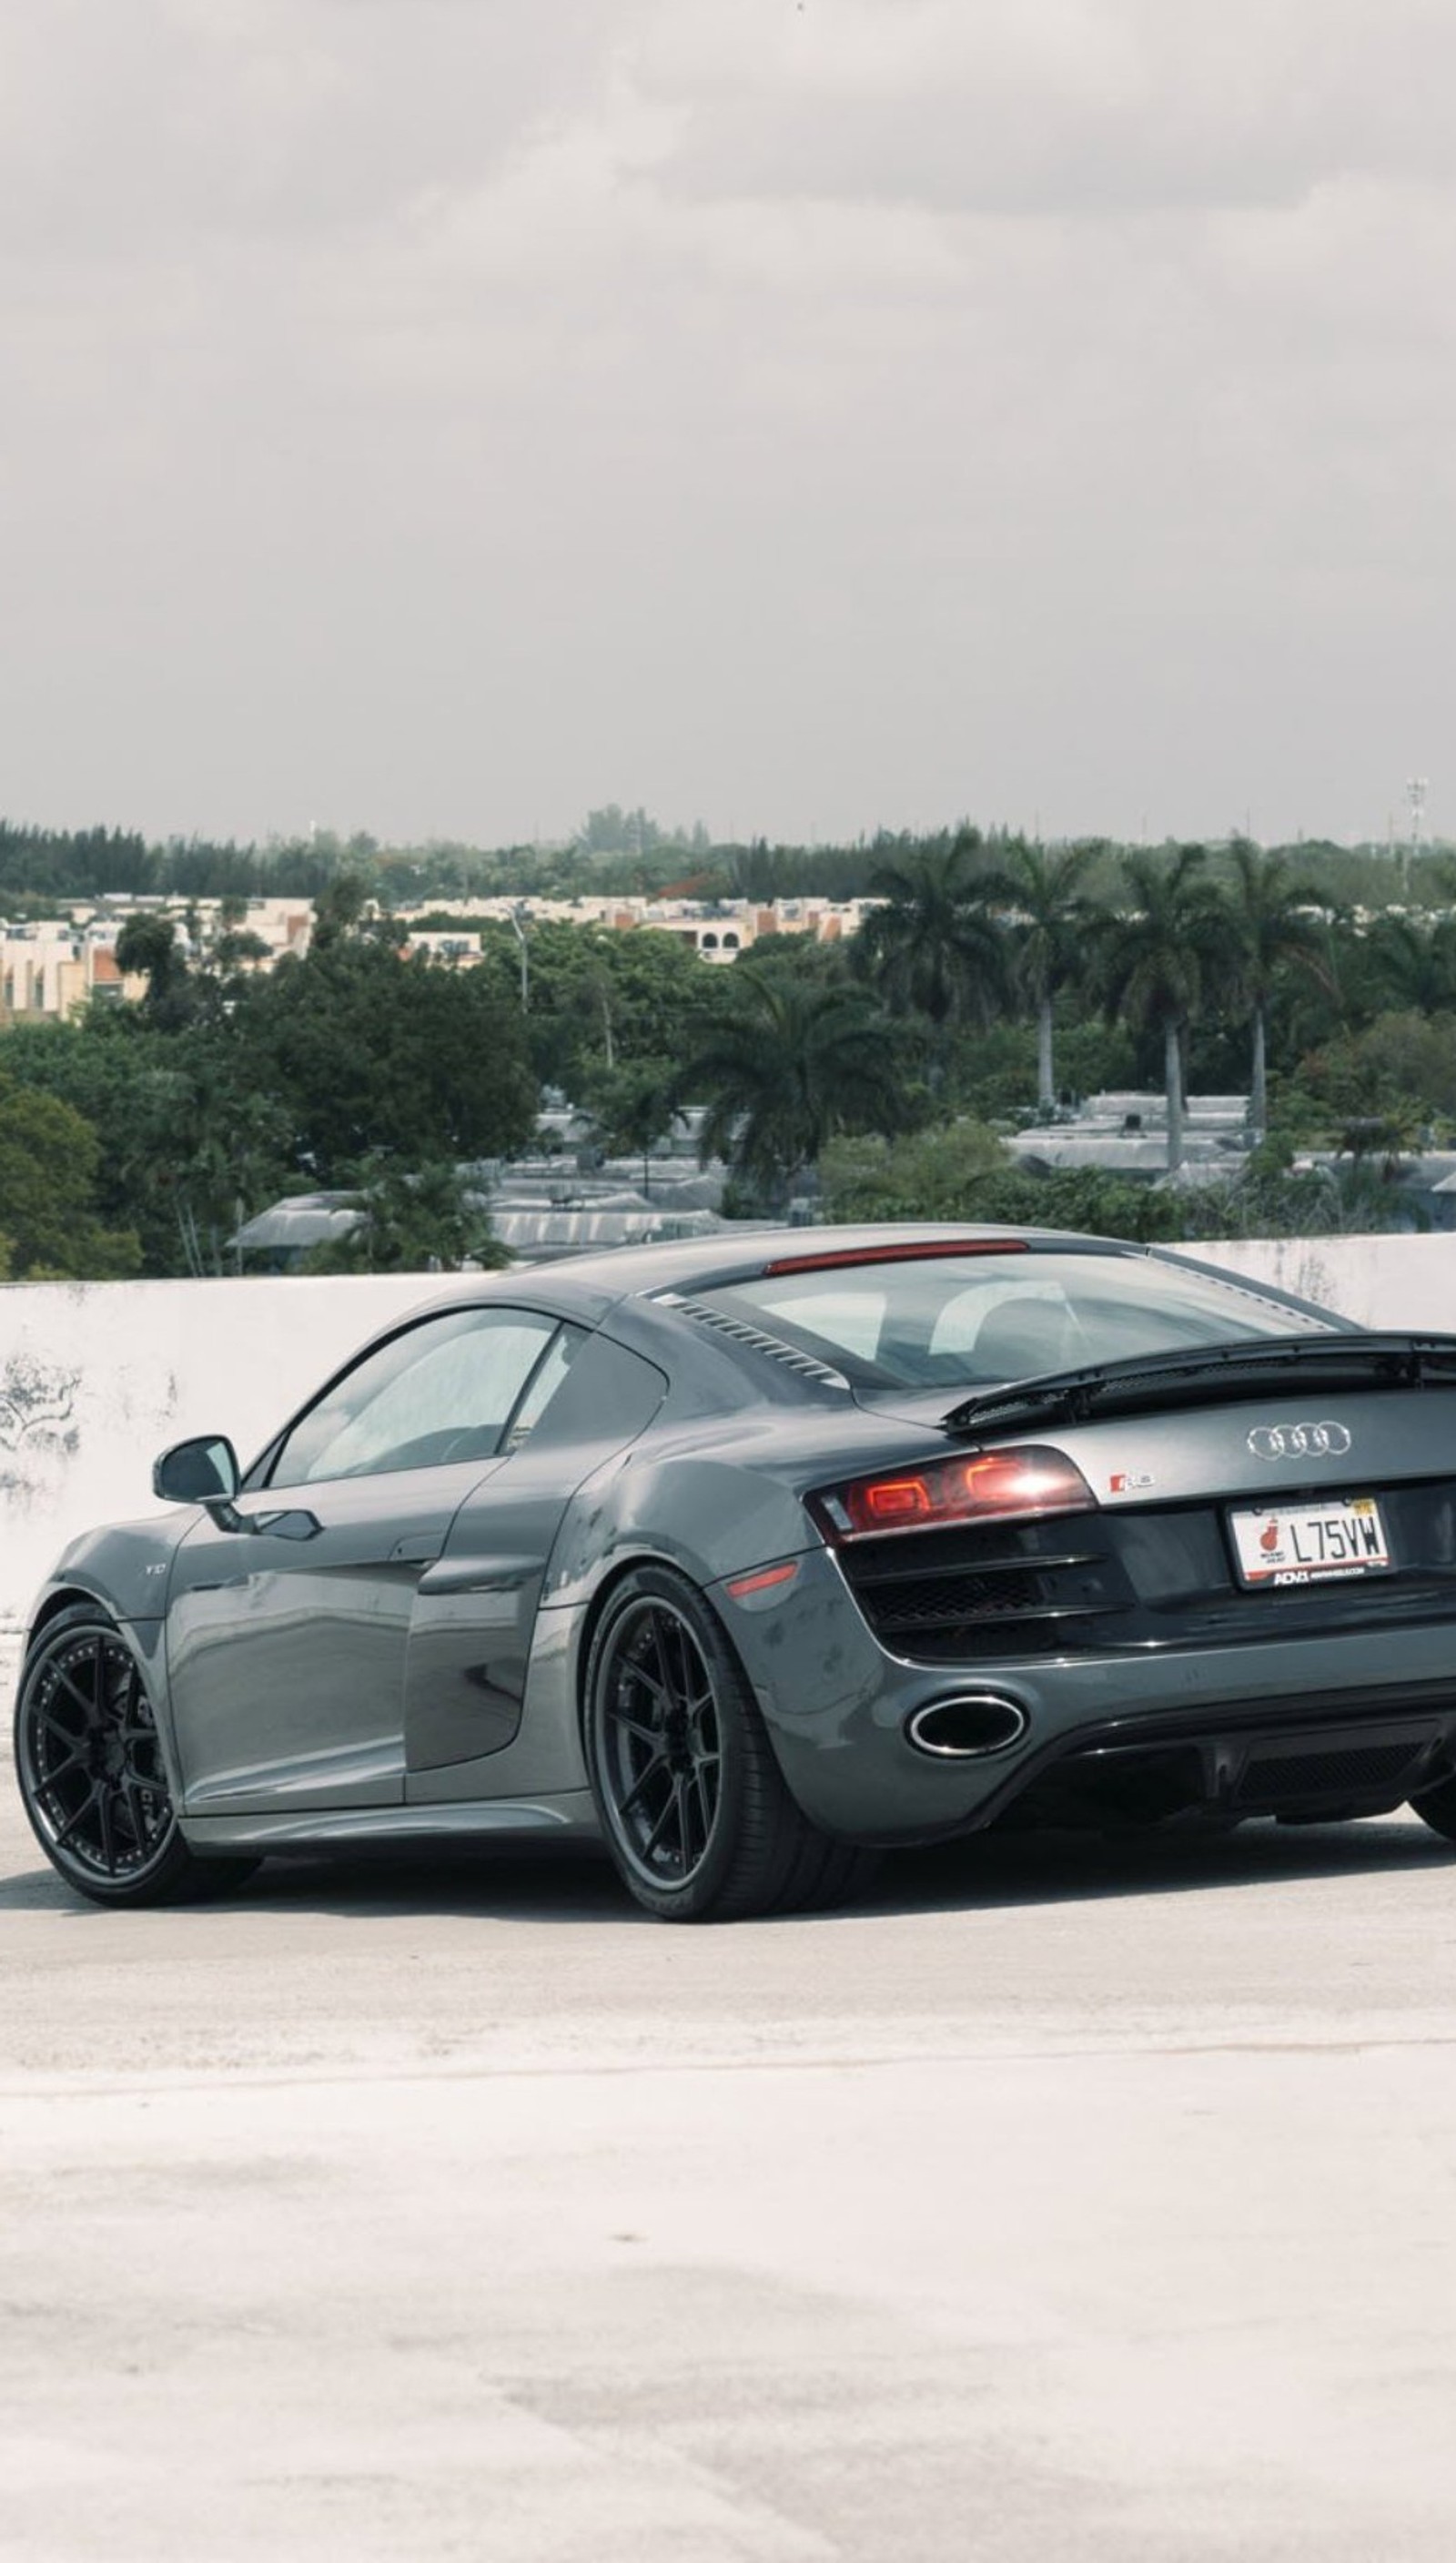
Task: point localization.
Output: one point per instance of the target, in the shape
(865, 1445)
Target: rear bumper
(836, 1705)
(1361, 1758)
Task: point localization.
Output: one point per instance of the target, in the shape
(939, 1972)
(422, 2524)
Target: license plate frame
(1329, 1539)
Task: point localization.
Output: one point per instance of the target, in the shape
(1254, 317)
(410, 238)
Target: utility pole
(1415, 802)
(518, 930)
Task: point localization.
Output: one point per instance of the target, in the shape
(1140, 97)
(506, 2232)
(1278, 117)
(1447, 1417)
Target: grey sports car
(748, 1557)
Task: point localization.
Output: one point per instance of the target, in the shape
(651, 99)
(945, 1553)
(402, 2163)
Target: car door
(289, 1620)
(476, 1613)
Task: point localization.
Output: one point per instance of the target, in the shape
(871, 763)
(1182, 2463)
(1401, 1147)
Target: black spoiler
(1211, 1375)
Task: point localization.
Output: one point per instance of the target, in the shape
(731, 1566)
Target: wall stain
(37, 1404)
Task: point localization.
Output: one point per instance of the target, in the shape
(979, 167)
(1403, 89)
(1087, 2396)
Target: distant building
(718, 930)
(1127, 1134)
(51, 969)
(47, 971)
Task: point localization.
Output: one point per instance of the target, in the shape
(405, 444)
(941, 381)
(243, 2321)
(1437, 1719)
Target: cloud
(445, 414)
(1051, 106)
(127, 125)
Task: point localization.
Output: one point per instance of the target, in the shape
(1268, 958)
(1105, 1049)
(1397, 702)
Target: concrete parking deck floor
(1067, 2201)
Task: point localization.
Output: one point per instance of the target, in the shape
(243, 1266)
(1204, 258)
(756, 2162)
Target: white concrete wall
(97, 1378)
(1407, 1282)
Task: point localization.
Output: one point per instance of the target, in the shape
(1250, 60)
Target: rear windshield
(996, 1317)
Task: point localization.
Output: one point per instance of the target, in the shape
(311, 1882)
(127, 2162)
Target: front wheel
(695, 1811)
(88, 1761)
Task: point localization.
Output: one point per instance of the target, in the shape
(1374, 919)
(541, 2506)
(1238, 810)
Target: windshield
(996, 1318)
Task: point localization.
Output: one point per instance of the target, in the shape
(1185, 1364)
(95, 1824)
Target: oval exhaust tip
(961, 1729)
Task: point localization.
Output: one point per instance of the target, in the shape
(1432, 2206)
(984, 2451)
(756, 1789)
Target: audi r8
(747, 1559)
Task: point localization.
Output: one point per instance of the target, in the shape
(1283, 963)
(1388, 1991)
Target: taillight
(989, 1485)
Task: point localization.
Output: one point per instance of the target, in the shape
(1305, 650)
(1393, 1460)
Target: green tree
(1413, 965)
(419, 1220)
(1273, 932)
(340, 910)
(927, 1174)
(1399, 1062)
(147, 947)
(47, 1217)
(191, 1139)
(1155, 961)
(235, 943)
(597, 999)
(962, 1171)
(1051, 927)
(367, 1053)
(937, 947)
(785, 1068)
(635, 1107)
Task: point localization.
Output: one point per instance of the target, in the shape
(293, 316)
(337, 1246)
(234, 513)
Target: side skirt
(567, 1817)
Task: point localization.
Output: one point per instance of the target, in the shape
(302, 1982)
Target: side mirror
(204, 1472)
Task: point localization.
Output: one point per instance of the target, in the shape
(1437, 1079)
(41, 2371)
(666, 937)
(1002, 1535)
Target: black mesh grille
(1268, 1779)
(913, 1604)
(1003, 1589)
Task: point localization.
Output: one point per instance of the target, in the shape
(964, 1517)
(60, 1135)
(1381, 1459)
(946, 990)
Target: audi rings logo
(1299, 1440)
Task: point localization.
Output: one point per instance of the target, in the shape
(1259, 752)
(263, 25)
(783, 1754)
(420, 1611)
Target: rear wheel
(90, 1765)
(694, 1808)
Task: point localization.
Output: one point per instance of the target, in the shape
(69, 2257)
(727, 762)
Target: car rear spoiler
(1212, 1375)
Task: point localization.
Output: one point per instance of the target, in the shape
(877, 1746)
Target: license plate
(1311, 1543)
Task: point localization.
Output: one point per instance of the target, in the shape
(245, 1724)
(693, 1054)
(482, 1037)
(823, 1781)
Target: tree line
(996, 978)
(612, 851)
(1000, 981)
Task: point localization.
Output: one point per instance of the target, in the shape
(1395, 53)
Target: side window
(548, 1378)
(443, 1392)
(609, 1395)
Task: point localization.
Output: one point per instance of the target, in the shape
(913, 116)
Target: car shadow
(983, 1874)
(992, 1870)
(562, 1886)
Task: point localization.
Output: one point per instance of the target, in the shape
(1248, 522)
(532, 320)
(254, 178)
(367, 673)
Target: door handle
(480, 1574)
(417, 1548)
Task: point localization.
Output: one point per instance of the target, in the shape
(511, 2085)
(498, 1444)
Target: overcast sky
(441, 416)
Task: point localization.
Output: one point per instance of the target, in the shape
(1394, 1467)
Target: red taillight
(989, 1485)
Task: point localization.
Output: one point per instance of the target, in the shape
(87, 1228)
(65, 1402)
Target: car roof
(587, 1289)
(590, 1286)
(702, 1263)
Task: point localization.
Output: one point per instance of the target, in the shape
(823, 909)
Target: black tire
(90, 1771)
(694, 1809)
(1437, 1808)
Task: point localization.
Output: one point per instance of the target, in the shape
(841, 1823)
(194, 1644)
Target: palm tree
(1052, 924)
(635, 1107)
(936, 948)
(1273, 928)
(1415, 966)
(785, 1066)
(1155, 957)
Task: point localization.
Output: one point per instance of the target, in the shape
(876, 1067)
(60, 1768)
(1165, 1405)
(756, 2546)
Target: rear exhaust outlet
(975, 1724)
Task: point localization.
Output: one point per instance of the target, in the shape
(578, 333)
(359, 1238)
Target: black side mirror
(204, 1472)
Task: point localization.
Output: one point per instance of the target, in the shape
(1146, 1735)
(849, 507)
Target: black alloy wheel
(695, 1811)
(92, 1775)
(661, 1743)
